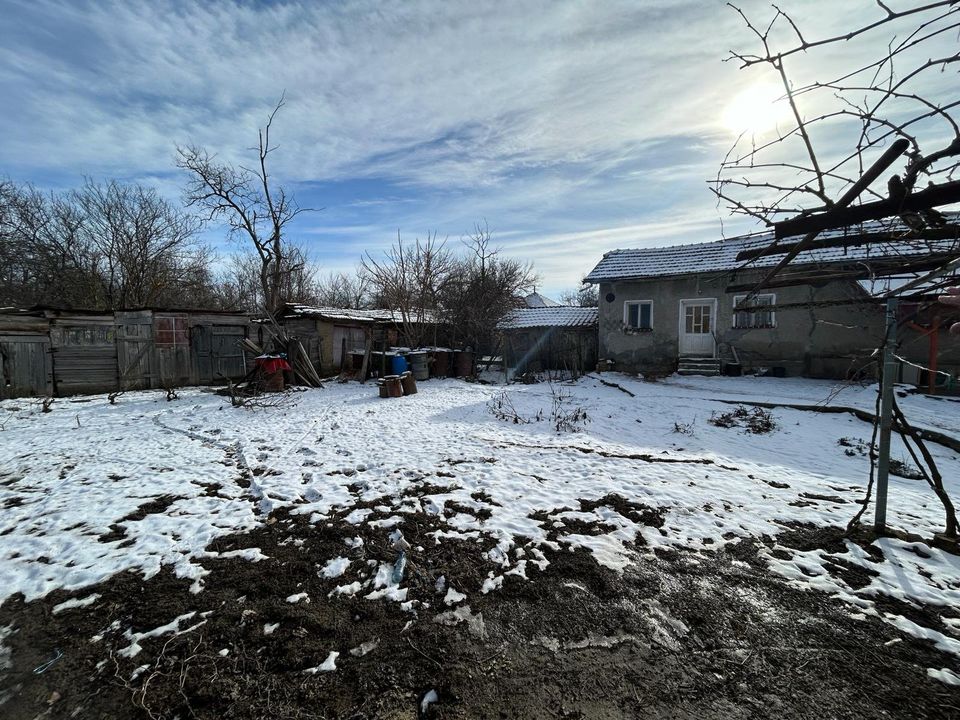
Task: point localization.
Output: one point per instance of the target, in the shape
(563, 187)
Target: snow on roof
(721, 255)
(555, 316)
(536, 300)
(349, 315)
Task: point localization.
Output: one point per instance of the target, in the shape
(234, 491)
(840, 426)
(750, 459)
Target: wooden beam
(951, 232)
(943, 194)
(861, 271)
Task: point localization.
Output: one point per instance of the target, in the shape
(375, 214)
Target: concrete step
(698, 366)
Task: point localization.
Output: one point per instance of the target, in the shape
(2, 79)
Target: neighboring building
(51, 351)
(553, 337)
(327, 333)
(669, 307)
(536, 300)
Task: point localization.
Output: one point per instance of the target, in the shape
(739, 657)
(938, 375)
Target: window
(757, 317)
(638, 314)
(171, 332)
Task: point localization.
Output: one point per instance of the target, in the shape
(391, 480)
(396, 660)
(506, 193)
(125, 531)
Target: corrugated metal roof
(721, 255)
(557, 316)
(348, 314)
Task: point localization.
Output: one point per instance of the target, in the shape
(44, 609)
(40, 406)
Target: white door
(697, 318)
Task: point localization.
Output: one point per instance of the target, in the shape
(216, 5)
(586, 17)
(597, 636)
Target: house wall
(832, 342)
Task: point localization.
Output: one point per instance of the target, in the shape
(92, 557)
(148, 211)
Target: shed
(550, 338)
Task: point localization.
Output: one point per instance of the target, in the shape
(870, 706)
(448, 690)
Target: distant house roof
(554, 316)
(536, 300)
(347, 314)
(721, 255)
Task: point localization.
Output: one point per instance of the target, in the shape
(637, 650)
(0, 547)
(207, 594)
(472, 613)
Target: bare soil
(681, 634)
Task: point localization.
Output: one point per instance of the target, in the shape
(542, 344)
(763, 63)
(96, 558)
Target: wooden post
(887, 381)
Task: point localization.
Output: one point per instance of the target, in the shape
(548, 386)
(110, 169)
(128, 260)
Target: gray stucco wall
(814, 342)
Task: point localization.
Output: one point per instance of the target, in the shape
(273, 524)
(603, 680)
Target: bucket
(394, 388)
(398, 364)
(418, 364)
(409, 383)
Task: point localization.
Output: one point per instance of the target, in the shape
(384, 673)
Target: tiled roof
(556, 316)
(721, 255)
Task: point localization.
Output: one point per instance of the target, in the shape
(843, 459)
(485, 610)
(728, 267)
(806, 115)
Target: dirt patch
(680, 634)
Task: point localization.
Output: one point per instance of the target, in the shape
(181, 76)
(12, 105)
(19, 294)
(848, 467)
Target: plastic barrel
(398, 364)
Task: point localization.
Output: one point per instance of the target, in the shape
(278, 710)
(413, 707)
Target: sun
(756, 110)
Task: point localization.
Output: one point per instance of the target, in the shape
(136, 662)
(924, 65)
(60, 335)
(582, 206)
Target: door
(346, 338)
(134, 350)
(216, 352)
(697, 319)
(24, 365)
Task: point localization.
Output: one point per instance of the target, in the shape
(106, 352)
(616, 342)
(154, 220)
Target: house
(669, 308)
(57, 351)
(550, 337)
(536, 300)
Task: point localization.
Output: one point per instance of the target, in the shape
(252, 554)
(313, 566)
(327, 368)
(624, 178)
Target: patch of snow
(335, 567)
(299, 597)
(946, 676)
(453, 597)
(270, 628)
(328, 665)
(428, 699)
(76, 603)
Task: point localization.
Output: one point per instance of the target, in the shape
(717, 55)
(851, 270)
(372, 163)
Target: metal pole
(887, 379)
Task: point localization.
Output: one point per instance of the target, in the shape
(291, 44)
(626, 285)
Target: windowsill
(635, 331)
(756, 327)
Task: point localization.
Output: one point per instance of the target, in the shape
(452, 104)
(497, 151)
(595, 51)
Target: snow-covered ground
(72, 480)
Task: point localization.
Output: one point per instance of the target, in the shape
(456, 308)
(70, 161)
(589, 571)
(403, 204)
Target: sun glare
(757, 109)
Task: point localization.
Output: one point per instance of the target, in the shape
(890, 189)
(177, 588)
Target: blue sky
(570, 128)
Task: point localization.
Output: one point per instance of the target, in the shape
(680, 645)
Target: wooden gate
(217, 353)
(25, 367)
(134, 350)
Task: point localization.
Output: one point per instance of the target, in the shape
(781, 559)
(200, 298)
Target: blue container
(398, 364)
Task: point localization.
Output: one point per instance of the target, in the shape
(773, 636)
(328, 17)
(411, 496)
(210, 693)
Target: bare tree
(102, 246)
(815, 172)
(240, 287)
(250, 203)
(835, 126)
(584, 296)
(411, 279)
(483, 290)
(344, 290)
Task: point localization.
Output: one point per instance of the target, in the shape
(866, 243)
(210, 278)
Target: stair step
(697, 371)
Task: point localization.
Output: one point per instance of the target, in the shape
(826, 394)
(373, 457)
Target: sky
(569, 128)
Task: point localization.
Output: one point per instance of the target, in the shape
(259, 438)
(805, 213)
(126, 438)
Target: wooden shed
(559, 338)
(51, 351)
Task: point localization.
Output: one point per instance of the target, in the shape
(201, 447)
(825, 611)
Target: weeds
(563, 417)
(684, 428)
(757, 421)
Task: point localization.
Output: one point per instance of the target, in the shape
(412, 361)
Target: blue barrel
(398, 364)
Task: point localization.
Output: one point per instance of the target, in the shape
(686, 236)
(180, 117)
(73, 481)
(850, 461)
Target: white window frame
(626, 314)
(737, 299)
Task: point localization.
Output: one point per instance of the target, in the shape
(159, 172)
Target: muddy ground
(680, 634)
